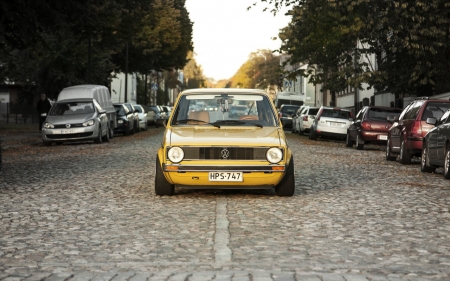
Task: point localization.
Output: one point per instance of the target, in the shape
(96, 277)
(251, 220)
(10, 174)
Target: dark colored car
(371, 125)
(136, 116)
(125, 120)
(405, 137)
(436, 145)
(161, 115)
(286, 112)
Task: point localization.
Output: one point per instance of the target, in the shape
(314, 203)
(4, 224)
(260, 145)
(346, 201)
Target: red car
(371, 126)
(405, 137)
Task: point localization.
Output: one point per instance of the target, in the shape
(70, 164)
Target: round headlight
(48, 126)
(119, 121)
(175, 154)
(274, 155)
(89, 123)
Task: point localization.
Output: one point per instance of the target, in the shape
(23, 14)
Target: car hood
(64, 119)
(232, 136)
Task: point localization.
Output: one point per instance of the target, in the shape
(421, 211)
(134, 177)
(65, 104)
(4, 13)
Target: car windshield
(72, 108)
(138, 109)
(336, 113)
(119, 110)
(382, 114)
(237, 109)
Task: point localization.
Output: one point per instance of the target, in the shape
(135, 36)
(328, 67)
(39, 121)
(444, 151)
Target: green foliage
(50, 44)
(409, 38)
(193, 74)
(260, 70)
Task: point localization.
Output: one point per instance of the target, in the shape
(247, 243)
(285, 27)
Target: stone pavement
(89, 212)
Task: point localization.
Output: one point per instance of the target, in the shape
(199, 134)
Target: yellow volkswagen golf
(224, 139)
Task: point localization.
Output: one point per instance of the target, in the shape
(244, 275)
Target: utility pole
(126, 73)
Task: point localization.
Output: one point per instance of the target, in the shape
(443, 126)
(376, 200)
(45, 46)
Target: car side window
(413, 110)
(445, 118)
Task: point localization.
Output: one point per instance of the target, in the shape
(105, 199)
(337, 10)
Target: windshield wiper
(191, 120)
(219, 123)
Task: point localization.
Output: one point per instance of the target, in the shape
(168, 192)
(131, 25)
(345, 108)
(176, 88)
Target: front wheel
(107, 135)
(99, 139)
(312, 135)
(162, 186)
(286, 187)
(424, 163)
(359, 143)
(447, 163)
(389, 155)
(405, 156)
(348, 141)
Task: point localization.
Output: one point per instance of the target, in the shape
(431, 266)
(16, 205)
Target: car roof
(223, 91)
(76, 100)
(335, 108)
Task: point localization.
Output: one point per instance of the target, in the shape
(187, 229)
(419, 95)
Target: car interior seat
(199, 115)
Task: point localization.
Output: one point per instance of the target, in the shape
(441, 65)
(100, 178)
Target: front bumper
(70, 134)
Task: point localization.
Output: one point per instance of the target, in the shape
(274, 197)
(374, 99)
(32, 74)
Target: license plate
(382, 137)
(225, 176)
(69, 131)
(335, 124)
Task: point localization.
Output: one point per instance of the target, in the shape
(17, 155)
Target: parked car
(205, 149)
(405, 137)
(76, 120)
(142, 117)
(296, 119)
(436, 145)
(371, 125)
(136, 116)
(307, 117)
(151, 115)
(101, 95)
(285, 113)
(161, 115)
(330, 122)
(125, 120)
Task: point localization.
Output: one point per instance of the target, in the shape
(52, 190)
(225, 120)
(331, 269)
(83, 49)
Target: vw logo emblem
(225, 153)
(67, 126)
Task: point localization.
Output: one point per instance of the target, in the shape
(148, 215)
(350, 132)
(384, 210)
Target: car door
(442, 135)
(355, 125)
(397, 128)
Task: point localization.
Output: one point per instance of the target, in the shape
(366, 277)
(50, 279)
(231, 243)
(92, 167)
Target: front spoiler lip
(240, 168)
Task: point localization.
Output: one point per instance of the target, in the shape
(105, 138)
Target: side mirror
(431, 121)
(165, 123)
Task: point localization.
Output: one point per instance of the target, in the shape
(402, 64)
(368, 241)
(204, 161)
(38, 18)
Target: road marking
(222, 237)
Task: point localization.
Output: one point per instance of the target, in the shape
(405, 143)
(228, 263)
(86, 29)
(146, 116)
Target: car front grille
(220, 153)
(63, 126)
(70, 136)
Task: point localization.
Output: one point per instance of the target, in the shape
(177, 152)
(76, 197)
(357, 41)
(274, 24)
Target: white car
(142, 117)
(331, 122)
(306, 119)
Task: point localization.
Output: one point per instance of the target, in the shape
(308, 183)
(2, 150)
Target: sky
(225, 33)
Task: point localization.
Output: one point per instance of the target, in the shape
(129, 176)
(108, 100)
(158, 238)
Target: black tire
(132, 130)
(111, 131)
(98, 139)
(137, 129)
(424, 162)
(405, 156)
(359, 145)
(162, 186)
(447, 163)
(286, 187)
(127, 130)
(389, 155)
(312, 135)
(106, 137)
(348, 141)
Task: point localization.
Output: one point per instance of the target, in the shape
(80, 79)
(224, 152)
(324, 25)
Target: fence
(18, 113)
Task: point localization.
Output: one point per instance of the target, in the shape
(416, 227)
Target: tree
(193, 74)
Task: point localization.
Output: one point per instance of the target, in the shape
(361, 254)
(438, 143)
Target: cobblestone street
(89, 212)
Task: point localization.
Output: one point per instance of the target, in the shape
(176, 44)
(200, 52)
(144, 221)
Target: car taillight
(416, 130)
(305, 118)
(280, 114)
(366, 126)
